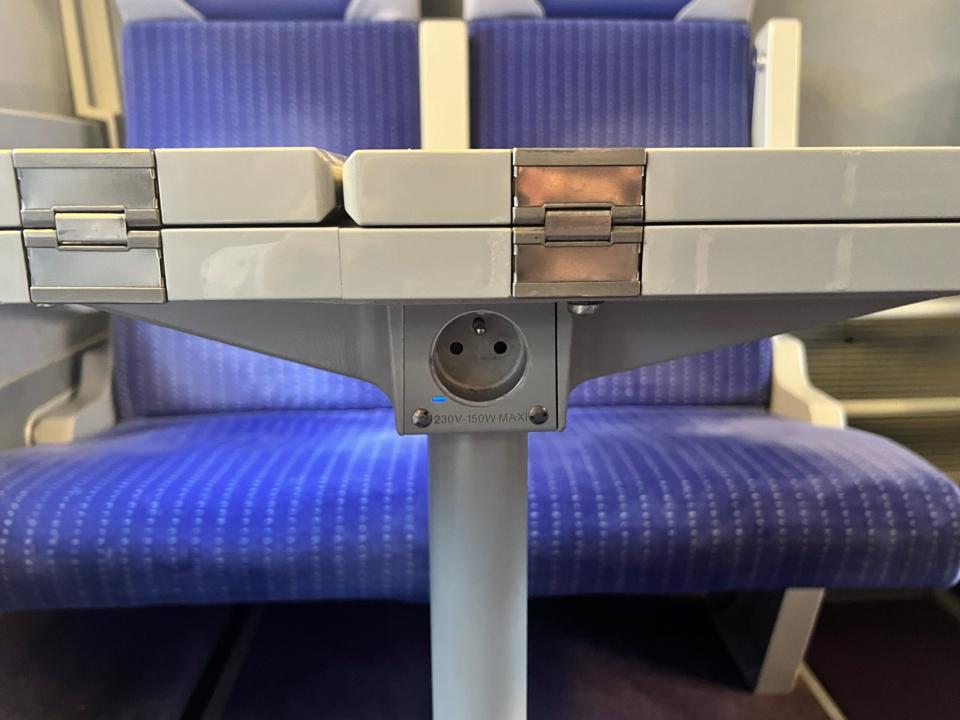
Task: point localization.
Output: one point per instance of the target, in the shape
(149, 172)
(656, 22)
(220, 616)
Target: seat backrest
(344, 85)
(241, 82)
(330, 84)
(735, 375)
(272, 9)
(613, 9)
(158, 371)
(642, 81)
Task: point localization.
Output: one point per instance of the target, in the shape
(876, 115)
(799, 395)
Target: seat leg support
(478, 576)
(789, 638)
(768, 634)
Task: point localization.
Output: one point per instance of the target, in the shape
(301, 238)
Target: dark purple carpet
(889, 660)
(609, 658)
(105, 664)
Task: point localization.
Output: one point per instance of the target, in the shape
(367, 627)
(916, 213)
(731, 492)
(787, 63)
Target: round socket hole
(479, 368)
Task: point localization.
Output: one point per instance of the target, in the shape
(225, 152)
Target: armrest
(39, 361)
(79, 412)
(793, 395)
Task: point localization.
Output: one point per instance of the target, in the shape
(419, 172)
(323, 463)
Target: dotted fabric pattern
(333, 85)
(158, 371)
(610, 83)
(735, 375)
(328, 84)
(293, 506)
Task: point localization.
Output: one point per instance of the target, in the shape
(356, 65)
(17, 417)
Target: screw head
(583, 308)
(422, 418)
(539, 415)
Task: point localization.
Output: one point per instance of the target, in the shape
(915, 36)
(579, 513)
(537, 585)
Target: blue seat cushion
(296, 505)
(603, 83)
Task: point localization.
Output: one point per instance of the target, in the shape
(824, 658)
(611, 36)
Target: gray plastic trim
(810, 259)
(93, 276)
(428, 188)
(9, 195)
(34, 129)
(425, 263)
(91, 295)
(13, 269)
(88, 158)
(809, 184)
(247, 186)
(252, 263)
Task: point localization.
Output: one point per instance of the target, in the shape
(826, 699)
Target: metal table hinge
(91, 226)
(578, 222)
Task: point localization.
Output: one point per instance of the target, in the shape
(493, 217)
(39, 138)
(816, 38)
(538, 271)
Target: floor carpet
(110, 664)
(610, 658)
(889, 659)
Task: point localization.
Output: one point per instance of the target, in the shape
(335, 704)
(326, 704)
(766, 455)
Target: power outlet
(479, 357)
(475, 369)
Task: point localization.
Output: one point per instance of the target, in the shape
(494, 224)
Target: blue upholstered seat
(333, 504)
(237, 477)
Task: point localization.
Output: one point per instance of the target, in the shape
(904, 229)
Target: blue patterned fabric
(735, 375)
(158, 371)
(601, 83)
(616, 9)
(287, 506)
(333, 85)
(271, 9)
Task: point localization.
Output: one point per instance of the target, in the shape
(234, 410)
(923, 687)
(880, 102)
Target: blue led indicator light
(439, 399)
